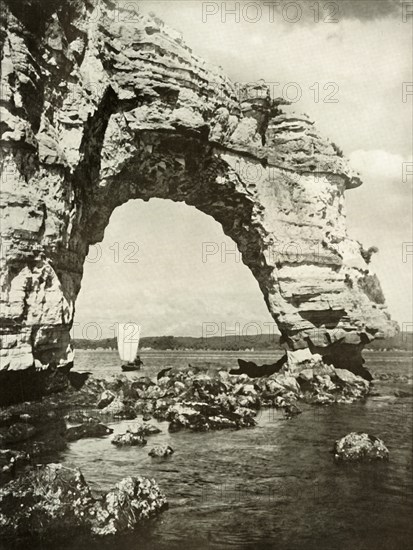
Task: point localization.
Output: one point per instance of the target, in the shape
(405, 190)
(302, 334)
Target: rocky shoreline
(197, 398)
(194, 398)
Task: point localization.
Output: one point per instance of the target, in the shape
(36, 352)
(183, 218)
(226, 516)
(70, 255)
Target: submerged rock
(161, 451)
(291, 410)
(144, 428)
(135, 435)
(80, 417)
(128, 439)
(53, 501)
(356, 447)
(404, 393)
(89, 429)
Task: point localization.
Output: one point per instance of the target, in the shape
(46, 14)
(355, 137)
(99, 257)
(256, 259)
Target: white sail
(128, 341)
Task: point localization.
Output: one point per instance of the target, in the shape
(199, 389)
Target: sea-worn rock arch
(101, 105)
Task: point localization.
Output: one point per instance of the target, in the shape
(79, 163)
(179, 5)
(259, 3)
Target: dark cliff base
(32, 385)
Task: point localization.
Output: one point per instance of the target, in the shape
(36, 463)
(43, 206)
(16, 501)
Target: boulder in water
(128, 439)
(161, 451)
(89, 429)
(356, 447)
(143, 428)
(53, 501)
(80, 417)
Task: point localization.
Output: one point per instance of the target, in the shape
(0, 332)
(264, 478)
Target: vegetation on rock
(371, 286)
(368, 254)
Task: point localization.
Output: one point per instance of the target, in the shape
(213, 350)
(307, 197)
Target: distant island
(402, 342)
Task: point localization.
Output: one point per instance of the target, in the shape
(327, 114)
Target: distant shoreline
(276, 351)
(264, 343)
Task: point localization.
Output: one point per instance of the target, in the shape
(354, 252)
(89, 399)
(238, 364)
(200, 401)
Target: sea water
(274, 486)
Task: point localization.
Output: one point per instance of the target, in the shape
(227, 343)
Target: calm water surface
(274, 486)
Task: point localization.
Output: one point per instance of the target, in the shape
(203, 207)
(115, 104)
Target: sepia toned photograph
(206, 293)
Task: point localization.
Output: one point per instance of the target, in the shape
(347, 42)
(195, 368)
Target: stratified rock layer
(101, 105)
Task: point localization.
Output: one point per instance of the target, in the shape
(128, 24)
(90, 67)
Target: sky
(358, 53)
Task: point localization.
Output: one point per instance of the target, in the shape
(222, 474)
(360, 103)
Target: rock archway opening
(172, 269)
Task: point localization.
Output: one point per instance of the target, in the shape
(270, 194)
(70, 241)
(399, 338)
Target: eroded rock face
(101, 105)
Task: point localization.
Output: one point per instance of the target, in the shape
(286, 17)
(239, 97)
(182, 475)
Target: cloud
(336, 10)
(382, 206)
(365, 10)
(299, 12)
(172, 288)
(379, 165)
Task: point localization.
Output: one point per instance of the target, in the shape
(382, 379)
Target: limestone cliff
(100, 105)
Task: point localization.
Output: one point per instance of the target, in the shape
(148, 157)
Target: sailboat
(128, 346)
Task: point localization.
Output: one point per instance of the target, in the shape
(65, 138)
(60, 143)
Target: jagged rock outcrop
(101, 105)
(52, 501)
